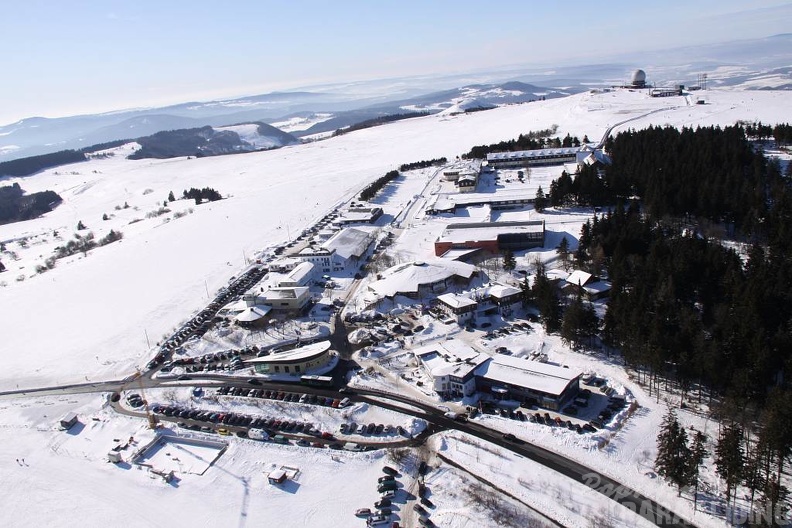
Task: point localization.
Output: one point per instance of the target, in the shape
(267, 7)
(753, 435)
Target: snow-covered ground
(97, 316)
(63, 479)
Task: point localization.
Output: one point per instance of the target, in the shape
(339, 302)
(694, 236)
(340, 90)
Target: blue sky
(85, 56)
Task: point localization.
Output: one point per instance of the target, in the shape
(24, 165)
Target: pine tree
(525, 289)
(699, 451)
(80, 226)
(540, 202)
(729, 458)
(572, 323)
(673, 454)
(546, 297)
(171, 197)
(509, 262)
(562, 250)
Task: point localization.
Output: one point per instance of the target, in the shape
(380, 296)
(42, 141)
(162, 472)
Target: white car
(377, 520)
(388, 494)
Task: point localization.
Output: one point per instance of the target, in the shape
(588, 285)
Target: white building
(286, 299)
(451, 365)
(299, 276)
(345, 250)
(417, 279)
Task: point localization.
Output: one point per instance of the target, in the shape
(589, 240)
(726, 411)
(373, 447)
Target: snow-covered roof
(253, 313)
(359, 214)
(349, 242)
(407, 278)
(501, 291)
(284, 293)
(531, 154)
(303, 353)
(533, 375)
(456, 300)
(460, 233)
(579, 278)
(597, 287)
(458, 253)
(233, 308)
(299, 274)
(447, 202)
(451, 358)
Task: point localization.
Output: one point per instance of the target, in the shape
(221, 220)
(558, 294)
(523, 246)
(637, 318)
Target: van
(346, 402)
(258, 434)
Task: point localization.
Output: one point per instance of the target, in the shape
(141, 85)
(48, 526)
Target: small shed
(68, 421)
(114, 457)
(277, 477)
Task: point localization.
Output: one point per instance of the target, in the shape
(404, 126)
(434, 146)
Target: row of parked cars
(311, 399)
(387, 487)
(198, 325)
(237, 419)
(545, 419)
(371, 429)
(513, 328)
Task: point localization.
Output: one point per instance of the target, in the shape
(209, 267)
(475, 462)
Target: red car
(327, 436)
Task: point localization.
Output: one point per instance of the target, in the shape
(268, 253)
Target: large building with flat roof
(512, 378)
(491, 236)
(526, 158)
(285, 299)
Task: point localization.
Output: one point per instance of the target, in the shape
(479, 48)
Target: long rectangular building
(525, 158)
(548, 386)
(492, 236)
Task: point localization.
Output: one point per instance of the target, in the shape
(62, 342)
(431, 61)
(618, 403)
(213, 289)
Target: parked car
(363, 512)
(427, 502)
(383, 503)
(389, 470)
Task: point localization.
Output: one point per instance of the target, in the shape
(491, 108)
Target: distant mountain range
(38, 135)
(745, 64)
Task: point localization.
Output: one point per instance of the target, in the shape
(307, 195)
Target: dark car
(384, 503)
(426, 502)
(510, 437)
(389, 470)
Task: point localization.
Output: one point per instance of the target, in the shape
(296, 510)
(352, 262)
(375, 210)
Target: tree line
(376, 121)
(374, 187)
(422, 164)
(199, 195)
(781, 133)
(530, 141)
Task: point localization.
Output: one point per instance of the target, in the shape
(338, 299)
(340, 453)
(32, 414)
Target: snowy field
(69, 472)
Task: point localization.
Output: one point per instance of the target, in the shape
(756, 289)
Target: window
(296, 368)
(286, 369)
(277, 368)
